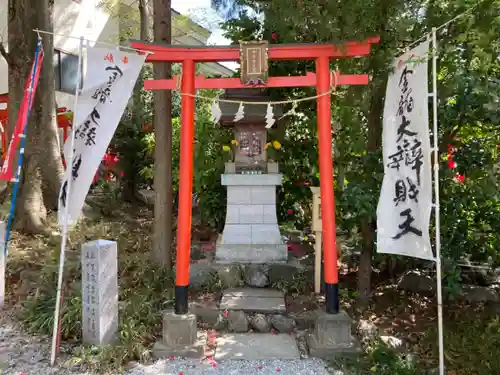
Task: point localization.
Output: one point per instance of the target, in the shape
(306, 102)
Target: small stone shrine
(99, 292)
(251, 233)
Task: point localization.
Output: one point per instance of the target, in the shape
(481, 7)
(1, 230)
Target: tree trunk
(53, 170)
(144, 14)
(22, 18)
(20, 56)
(129, 191)
(368, 225)
(162, 232)
(40, 156)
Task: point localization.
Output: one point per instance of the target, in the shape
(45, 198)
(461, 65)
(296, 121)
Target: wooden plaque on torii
(254, 63)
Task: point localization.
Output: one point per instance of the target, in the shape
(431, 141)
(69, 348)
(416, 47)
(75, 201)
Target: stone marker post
(317, 227)
(99, 292)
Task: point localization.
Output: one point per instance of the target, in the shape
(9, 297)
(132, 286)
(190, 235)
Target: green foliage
(468, 87)
(472, 338)
(451, 281)
(139, 312)
(130, 137)
(209, 165)
(208, 161)
(472, 231)
(379, 359)
(300, 283)
(385, 361)
(147, 171)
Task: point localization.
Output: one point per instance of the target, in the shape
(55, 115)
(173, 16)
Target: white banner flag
(110, 79)
(405, 204)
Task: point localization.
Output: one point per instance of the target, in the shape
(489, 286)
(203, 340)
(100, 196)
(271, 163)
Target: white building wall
(71, 20)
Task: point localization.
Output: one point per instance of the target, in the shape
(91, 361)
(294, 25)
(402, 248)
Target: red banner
(22, 117)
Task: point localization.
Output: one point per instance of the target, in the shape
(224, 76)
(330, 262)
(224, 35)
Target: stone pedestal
(99, 292)
(180, 337)
(251, 233)
(332, 336)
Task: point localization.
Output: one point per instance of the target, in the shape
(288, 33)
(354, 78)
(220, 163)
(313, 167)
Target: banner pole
(64, 235)
(7, 229)
(436, 202)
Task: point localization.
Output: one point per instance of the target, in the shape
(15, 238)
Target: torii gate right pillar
(324, 116)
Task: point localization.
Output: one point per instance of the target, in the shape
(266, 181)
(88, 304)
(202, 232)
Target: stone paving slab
(256, 346)
(254, 292)
(266, 301)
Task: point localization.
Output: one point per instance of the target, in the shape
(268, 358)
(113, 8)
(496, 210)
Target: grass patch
(144, 291)
(471, 348)
(471, 340)
(472, 334)
(381, 360)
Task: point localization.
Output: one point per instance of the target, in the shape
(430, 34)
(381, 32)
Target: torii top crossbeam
(179, 53)
(256, 67)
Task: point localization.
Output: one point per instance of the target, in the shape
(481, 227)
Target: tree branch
(5, 55)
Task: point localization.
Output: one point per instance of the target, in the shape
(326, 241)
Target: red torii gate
(322, 79)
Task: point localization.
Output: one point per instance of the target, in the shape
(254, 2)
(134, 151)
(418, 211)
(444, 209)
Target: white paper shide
(107, 87)
(405, 204)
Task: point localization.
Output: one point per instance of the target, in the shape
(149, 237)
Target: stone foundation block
(179, 330)
(180, 337)
(332, 336)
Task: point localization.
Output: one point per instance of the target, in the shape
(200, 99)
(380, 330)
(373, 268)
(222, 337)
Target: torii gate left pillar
(321, 54)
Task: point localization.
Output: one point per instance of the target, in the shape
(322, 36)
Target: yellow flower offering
(225, 148)
(235, 142)
(276, 145)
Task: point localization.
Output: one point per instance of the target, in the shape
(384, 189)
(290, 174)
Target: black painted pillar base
(332, 298)
(181, 300)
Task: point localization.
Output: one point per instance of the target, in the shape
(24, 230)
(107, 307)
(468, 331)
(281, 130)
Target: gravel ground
(235, 367)
(21, 353)
(24, 354)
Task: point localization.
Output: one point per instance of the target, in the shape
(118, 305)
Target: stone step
(254, 300)
(256, 346)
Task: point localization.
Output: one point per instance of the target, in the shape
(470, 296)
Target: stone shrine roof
(254, 114)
